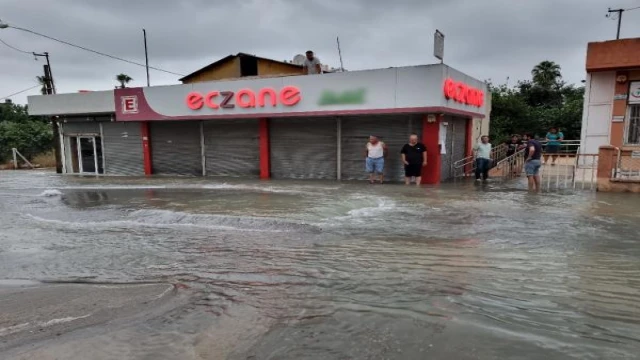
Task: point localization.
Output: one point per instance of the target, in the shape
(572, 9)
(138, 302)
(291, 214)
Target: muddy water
(322, 270)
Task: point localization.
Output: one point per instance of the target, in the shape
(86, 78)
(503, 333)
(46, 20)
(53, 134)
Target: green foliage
(537, 105)
(123, 79)
(31, 135)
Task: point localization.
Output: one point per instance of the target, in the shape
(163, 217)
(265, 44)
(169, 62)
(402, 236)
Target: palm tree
(546, 74)
(43, 82)
(123, 79)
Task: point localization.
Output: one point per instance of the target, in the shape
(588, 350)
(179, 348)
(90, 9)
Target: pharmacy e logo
(129, 104)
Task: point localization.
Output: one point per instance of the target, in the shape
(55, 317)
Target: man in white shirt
(483, 158)
(375, 154)
(311, 65)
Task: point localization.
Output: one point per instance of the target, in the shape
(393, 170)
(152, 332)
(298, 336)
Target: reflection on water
(323, 270)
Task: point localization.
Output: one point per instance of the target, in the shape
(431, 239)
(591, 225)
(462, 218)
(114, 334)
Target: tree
(537, 105)
(31, 135)
(546, 74)
(43, 82)
(123, 79)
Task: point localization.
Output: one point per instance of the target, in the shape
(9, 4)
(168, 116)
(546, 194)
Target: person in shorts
(554, 140)
(375, 153)
(414, 158)
(532, 155)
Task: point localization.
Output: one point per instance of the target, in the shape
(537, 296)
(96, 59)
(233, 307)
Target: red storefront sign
(463, 93)
(245, 98)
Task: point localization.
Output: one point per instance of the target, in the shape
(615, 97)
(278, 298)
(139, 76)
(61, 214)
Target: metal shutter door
(122, 149)
(456, 145)
(304, 148)
(232, 148)
(78, 128)
(393, 130)
(175, 148)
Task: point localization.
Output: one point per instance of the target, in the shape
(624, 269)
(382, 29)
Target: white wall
(597, 111)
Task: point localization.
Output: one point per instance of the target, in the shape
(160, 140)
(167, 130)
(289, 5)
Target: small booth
(291, 127)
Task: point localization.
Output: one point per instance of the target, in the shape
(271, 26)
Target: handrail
(497, 153)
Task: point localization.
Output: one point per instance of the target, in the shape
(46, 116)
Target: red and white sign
(463, 93)
(129, 104)
(244, 98)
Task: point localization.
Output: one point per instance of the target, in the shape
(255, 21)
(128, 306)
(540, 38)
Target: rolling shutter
(176, 148)
(393, 130)
(122, 150)
(456, 145)
(232, 148)
(303, 148)
(81, 128)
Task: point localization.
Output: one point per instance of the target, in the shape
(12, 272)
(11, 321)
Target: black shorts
(413, 170)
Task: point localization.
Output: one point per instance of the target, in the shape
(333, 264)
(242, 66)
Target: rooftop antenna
(340, 54)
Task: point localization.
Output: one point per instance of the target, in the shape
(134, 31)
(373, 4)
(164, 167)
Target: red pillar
(265, 153)
(146, 147)
(430, 138)
(468, 150)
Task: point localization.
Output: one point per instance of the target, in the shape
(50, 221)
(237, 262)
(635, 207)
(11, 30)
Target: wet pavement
(314, 270)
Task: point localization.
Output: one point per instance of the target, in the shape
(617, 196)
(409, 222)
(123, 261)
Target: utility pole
(51, 89)
(146, 55)
(619, 11)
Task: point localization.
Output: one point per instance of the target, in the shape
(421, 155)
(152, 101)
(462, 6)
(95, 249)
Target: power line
(15, 48)
(20, 92)
(633, 8)
(93, 51)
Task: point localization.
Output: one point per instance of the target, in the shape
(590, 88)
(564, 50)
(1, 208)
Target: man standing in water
(483, 158)
(532, 155)
(414, 158)
(375, 153)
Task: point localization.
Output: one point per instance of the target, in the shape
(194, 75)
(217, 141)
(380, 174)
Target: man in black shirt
(514, 145)
(532, 155)
(414, 158)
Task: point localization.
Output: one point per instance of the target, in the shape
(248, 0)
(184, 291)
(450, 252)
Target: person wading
(414, 158)
(483, 158)
(374, 154)
(532, 153)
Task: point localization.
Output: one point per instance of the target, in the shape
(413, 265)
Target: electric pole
(619, 11)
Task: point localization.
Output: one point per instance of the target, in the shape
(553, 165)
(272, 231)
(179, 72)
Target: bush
(29, 134)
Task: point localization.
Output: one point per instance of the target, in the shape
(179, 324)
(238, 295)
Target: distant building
(612, 95)
(242, 65)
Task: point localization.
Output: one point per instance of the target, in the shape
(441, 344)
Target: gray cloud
(488, 39)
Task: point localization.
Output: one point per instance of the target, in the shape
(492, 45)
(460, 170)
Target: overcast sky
(487, 39)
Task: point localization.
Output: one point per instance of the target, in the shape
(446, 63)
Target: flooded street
(326, 270)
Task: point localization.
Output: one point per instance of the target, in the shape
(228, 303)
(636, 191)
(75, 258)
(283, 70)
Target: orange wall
(266, 67)
(613, 55)
(227, 70)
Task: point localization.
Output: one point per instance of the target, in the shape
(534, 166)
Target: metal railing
(467, 166)
(627, 165)
(510, 167)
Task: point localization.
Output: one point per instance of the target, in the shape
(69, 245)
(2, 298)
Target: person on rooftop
(312, 65)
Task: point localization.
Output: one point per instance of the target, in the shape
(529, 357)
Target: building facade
(293, 127)
(612, 96)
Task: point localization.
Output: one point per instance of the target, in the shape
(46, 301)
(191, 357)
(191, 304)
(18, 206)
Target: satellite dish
(299, 59)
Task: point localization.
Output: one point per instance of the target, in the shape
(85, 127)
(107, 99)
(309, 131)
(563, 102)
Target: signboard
(618, 119)
(463, 93)
(438, 45)
(634, 92)
(620, 97)
(635, 154)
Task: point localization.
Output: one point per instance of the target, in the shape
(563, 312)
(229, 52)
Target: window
(633, 126)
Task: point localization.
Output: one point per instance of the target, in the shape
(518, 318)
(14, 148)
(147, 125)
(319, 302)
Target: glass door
(89, 155)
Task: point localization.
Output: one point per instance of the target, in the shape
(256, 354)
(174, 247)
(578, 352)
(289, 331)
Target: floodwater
(326, 270)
